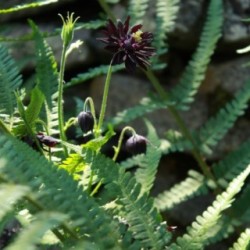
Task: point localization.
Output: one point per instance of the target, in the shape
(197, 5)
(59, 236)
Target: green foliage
(194, 73)
(198, 234)
(243, 242)
(137, 10)
(47, 79)
(166, 13)
(79, 198)
(10, 81)
(85, 216)
(148, 165)
(91, 73)
(26, 6)
(143, 219)
(216, 127)
(192, 186)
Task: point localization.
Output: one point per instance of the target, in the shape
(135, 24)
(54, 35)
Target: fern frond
(146, 173)
(47, 79)
(241, 207)
(216, 127)
(26, 6)
(21, 165)
(10, 80)
(192, 186)
(166, 13)
(198, 234)
(9, 195)
(93, 72)
(74, 164)
(243, 243)
(137, 10)
(233, 164)
(194, 73)
(31, 236)
(145, 106)
(138, 210)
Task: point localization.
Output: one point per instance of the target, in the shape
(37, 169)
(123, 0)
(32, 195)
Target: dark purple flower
(86, 121)
(129, 44)
(136, 144)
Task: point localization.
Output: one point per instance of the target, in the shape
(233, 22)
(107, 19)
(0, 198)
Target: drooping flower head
(129, 44)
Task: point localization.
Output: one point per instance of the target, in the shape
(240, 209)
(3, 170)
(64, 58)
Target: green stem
(92, 109)
(60, 98)
(195, 151)
(104, 99)
(118, 148)
(106, 8)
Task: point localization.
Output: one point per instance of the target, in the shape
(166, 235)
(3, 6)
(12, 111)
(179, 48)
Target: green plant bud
(86, 121)
(67, 32)
(136, 144)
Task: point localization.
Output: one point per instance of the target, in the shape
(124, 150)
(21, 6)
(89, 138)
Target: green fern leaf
(32, 235)
(146, 172)
(191, 187)
(216, 127)
(9, 195)
(26, 6)
(35, 105)
(93, 72)
(243, 243)
(143, 219)
(21, 165)
(198, 234)
(166, 13)
(47, 79)
(74, 165)
(137, 10)
(10, 80)
(234, 163)
(146, 105)
(194, 73)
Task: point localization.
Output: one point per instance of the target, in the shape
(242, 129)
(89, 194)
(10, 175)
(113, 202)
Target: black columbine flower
(129, 45)
(47, 140)
(136, 144)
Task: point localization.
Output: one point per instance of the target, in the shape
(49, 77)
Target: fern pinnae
(91, 73)
(243, 242)
(137, 10)
(10, 81)
(22, 165)
(232, 164)
(47, 79)
(166, 13)
(31, 235)
(194, 73)
(197, 235)
(9, 195)
(143, 219)
(192, 186)
(216, 127)
(146, 172)
(26, 6)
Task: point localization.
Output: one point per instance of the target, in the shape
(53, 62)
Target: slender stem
(118, 148)
(60, 97)
(104, 98)
(92, 109)
(195, 151)
(106, 8)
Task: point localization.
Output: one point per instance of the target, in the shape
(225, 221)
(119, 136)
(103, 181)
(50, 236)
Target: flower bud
(136, 144)
(67, 32)
(86, 121)
(47, 140)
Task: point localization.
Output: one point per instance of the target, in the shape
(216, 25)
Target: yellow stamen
(137, 35)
